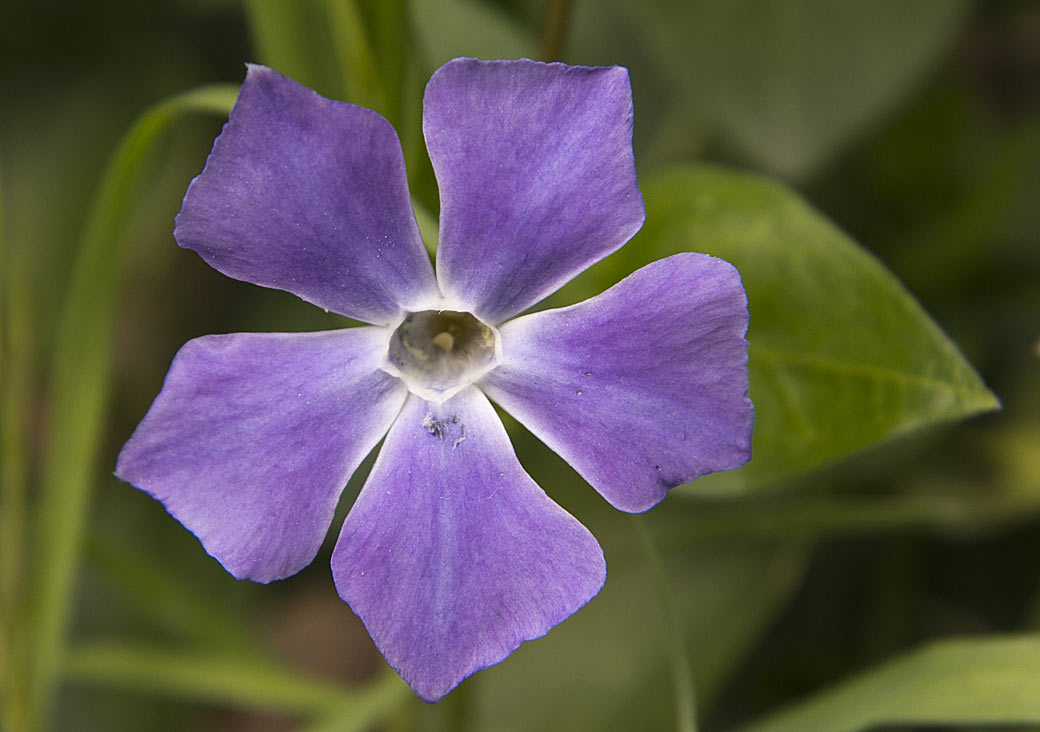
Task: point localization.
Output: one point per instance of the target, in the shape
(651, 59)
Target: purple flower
(452, 556)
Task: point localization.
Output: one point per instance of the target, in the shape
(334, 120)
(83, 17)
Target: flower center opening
(439, 352)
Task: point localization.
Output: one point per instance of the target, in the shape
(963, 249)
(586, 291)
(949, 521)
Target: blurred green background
(913, 127)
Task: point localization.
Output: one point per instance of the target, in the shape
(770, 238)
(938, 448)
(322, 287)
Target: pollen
(444, 341)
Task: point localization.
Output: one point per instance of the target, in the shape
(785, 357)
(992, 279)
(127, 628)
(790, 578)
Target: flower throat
(438, 352)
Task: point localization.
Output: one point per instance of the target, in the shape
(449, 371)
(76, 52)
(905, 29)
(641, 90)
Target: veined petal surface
(254, 436)
(452, 556)
(536, 175)
(309, 195)
(641, 388)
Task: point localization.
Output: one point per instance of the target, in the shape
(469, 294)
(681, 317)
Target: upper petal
(254, 436)
(309, 195)
(452, 556)
(641, 388)
(536, 175)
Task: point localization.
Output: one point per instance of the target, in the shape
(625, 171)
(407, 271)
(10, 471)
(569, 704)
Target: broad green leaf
(842, 356)
(449, 28)
(208, 677)
(959, 682)
(787, 82)
(79, 375)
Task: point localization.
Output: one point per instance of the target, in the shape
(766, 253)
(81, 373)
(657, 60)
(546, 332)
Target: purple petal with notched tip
(309, 195)
(452, 556)
(254, 436)
(536, 175)
(641, 388)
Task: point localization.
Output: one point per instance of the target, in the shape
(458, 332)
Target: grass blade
(79, 385)
(959, 682)
(206, 677)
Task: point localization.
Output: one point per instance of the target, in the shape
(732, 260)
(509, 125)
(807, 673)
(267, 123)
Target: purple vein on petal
(309, 195)
(536, 174)
(254, 436)
(641, 388)
(452, 556)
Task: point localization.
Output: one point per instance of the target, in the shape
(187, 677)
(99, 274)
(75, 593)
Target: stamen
(439, 352)
(444, 340)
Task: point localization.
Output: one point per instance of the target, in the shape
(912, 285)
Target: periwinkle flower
(452, 556)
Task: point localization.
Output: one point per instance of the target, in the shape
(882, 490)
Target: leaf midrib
(829, 363)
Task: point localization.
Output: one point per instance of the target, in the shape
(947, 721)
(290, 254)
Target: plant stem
(15, 386)
(556, 16)
(682, 676)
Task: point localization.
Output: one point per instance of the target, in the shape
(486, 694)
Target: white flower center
(437, 353)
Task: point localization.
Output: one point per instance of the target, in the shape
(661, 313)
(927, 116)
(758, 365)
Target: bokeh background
(912, 126)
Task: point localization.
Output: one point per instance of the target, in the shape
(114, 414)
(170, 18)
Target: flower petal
(536, 174)
(309, 195)
(452, 556)
(641, 388)
(254, 436)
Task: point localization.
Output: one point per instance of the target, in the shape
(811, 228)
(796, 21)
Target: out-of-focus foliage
(449, 28)
(984, 682)
(832, 333)
(912, 126)
(79, 375)
(725, 595)
(786, 82)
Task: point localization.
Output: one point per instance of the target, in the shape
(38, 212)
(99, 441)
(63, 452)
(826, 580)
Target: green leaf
(429, 227)
(842, 356)
(790, 81)
(343, 49)
(787, 82)
(227, 679)
(297, 39)
(16, 358)
(959, 682)
(449, 28)
(354, 52)
(682, 676)
(443, 30)
(169, 598)
(965, 509)
(374, 705)
(370, 42)
(79, 382)
(723, 596)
